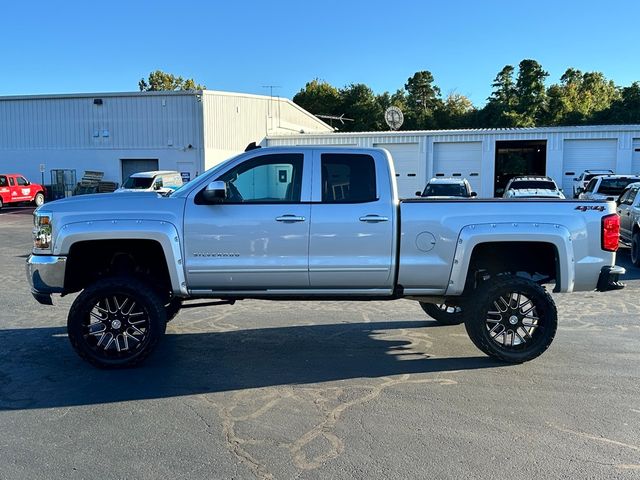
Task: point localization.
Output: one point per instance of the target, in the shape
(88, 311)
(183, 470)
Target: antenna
(270, 112)
(340, 118)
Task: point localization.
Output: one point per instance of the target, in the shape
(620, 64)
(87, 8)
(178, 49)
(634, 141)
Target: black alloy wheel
(513, 319)
(116, 322)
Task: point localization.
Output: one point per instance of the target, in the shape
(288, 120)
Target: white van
(161, 181)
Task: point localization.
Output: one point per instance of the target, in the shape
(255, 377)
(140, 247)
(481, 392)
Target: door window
(3, 181)
(631, 197)
(11, 182)
(22, 181)
(266, 179)
(591, 185)
(348, 178)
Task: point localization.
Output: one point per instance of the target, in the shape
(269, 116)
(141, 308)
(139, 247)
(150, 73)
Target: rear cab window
(348, 178)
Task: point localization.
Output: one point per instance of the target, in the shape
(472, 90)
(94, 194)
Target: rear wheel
(116, 322)
(38, 199)
(512, 319)
(443, 313)
(635, 249)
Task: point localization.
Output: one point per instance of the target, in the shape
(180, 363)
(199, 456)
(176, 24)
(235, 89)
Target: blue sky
(61, 47)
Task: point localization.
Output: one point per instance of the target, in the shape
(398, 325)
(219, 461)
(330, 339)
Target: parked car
(303, 223)
(447, 188)
(15, 188)
(532, 187)
(629, 211)
(581, 181)
(607, 187)
(159, 181)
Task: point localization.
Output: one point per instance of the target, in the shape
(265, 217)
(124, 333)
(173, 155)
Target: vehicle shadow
(38, 368)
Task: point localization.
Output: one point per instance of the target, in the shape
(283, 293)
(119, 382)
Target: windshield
(444, 190)
(186, 186)
(533, 184)
(614, 186)
(138, 183)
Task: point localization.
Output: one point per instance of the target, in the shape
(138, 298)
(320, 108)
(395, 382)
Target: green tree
(320, 98)
(579, 97)
(360, 104)
(162, 81)
(457, 111)
(625, 109)
(530, 92)
(501, 104)
(423, 99)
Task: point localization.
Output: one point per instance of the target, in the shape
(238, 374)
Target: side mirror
(474, 194)
(580, 190)
(418, 193)
(576, 179)
(215, 192)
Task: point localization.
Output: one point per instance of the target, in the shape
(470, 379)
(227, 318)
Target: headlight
(42, 232)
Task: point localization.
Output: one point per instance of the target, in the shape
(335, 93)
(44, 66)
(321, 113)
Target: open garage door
(581, 155)
(635, 161)
(407, 162)
(459, 160)
(135, 165)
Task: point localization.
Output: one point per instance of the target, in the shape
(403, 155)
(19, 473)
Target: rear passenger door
(351, 239)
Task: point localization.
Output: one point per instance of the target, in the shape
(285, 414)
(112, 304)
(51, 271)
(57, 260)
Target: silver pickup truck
(315, 224)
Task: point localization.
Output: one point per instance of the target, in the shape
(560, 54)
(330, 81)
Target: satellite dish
(394, 117)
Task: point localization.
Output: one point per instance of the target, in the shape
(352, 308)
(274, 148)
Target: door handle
(289, 218)
(373, 219)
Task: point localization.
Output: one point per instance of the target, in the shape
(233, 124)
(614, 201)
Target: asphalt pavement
(317, 390)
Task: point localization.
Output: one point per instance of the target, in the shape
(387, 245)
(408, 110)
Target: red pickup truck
(14, 188)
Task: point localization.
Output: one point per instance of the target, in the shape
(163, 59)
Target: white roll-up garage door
(459, 160)
(581, 155)
(635, 160)
(408, 164)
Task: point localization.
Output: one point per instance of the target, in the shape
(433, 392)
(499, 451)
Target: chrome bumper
(46, 276)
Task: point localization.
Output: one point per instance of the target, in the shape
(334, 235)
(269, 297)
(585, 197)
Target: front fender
(165, 233)
(473, 235)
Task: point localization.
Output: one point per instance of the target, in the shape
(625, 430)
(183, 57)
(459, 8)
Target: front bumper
(46, 276)
(609, 278)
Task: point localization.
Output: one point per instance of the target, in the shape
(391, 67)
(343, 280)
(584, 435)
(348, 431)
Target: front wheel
(444, 314)
(512, 319)
(635, 249)
(116, 322)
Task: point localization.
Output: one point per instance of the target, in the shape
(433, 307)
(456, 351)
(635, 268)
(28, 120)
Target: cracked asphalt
(341, 390)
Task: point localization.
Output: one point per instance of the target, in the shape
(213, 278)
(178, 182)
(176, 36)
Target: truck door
(258, 237)
(352, 222)
(23, 188)
(626, 212)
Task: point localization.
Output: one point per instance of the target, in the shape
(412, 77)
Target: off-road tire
(147, 305)
(489, 303)
(635, 249)
(443, 314)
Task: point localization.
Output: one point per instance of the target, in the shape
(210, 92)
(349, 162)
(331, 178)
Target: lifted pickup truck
(315, 224)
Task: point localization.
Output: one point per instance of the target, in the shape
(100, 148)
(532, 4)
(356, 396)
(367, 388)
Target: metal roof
(467, 131)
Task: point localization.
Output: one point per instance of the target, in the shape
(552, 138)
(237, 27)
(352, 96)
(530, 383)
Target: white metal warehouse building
(483, 155)
(120, 133)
